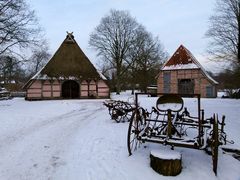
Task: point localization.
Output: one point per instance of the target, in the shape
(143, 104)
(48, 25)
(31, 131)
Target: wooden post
(42, 84)
(199, 122)
(215, 144)
(169, 128)
(136, 100)
(51, 82)
(201, 129)
(167, 163)
(223, 123)
(88, 84)
(80, 87)
(96, 81)
(60, 83)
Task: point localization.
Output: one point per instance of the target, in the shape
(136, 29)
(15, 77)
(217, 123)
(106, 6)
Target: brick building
(183, 74)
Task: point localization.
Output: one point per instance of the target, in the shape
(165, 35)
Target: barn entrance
(186, 86)
(70, 89)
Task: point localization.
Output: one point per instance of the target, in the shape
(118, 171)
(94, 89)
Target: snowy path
(35, 151)
(67, 146)
(69, 140)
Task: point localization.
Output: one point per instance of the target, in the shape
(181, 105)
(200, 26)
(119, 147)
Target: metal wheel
(117, 114)
(136, 129)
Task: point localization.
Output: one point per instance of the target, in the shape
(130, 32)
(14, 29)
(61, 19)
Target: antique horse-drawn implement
(120, 111)
(170, 124)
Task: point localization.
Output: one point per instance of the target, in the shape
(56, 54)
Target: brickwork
(200, 81)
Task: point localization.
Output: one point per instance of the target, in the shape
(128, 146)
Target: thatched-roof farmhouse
(183, 74)
(68, 74)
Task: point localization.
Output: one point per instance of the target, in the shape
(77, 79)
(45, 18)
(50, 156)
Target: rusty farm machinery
(170, 123)
(120, 111)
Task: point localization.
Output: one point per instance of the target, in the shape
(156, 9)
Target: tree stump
(167, 163)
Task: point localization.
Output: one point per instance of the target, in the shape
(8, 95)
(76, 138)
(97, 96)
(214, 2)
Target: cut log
(167, 163)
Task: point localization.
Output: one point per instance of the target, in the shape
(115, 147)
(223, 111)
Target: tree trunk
(238, 45)
(132, 91)
(166, 163)
(238, 55)
(118, 88)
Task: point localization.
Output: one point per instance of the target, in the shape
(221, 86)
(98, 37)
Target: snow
(75, 139)
(221, 94)
(38, 75)
(101, 75)
(4, 91)
(163, 154)
(181, 66)
(192, 64)
(171, 106)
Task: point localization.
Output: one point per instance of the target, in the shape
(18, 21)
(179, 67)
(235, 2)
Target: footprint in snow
(55, 161)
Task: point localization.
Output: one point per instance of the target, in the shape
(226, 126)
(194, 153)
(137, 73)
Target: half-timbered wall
(96, 89)
(201, 83)
(56, 89)
(51, 89)
(46, 89)
(35, 90)
(84, 89)
(103, 89)
(93, 88)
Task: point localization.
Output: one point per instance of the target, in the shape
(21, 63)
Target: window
(209, 91)
(166, 82)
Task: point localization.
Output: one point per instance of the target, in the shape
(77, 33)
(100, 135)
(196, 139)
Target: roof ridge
(201, 67)
(69, 60)
(193, 58)
(186, 64)
(179, 50)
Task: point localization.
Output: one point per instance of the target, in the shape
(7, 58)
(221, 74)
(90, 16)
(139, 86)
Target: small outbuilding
(183, 74)
(69, 74)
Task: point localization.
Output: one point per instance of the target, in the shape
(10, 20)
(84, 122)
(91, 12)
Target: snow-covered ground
(76, 140)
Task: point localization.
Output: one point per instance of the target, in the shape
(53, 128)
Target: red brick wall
(200, 81)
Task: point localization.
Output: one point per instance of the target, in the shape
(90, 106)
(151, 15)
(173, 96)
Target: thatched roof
(69, 61)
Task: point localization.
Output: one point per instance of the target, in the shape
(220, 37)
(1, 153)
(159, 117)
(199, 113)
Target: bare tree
(224, 31)
(112, 39)
(147, 54)
(39, 58)
(8, 68)
(229, 81)
(18, 26)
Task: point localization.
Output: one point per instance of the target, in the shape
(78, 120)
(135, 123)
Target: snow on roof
(181, 66)
(11, 82)
(181, 59)
(184, 59)
(38, 75)
(101, 75)
(153, 86)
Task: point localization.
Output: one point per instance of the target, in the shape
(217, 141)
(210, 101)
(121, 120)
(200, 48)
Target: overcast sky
(176, 22)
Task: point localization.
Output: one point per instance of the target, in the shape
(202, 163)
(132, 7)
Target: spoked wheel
(117, 115)
(136, 129)
(215, 144)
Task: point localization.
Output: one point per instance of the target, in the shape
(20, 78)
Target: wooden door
(186, 86)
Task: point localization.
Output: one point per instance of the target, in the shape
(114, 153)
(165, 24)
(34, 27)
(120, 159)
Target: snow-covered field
(76, 140)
